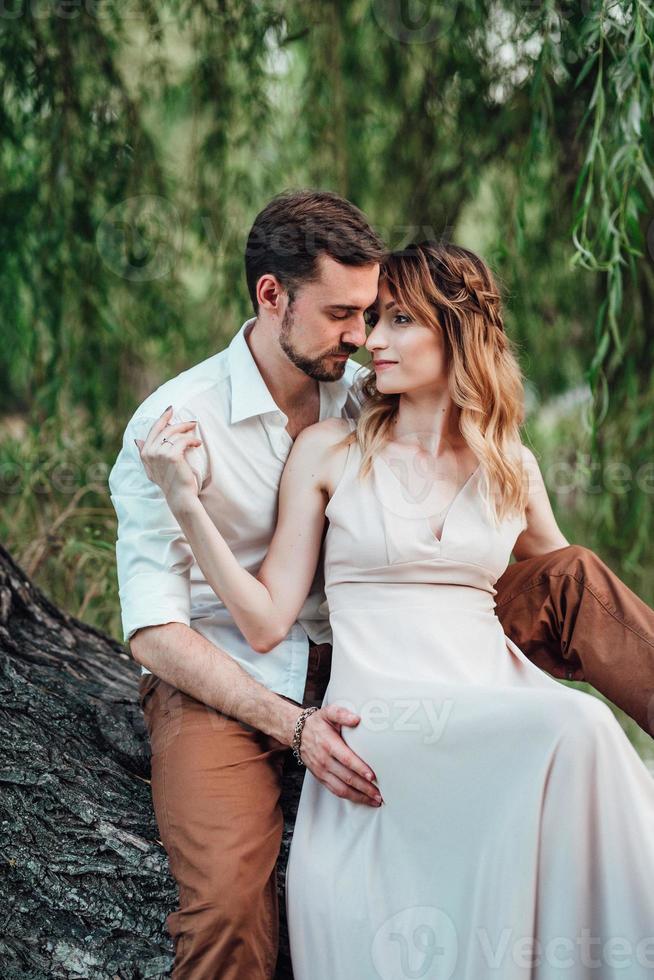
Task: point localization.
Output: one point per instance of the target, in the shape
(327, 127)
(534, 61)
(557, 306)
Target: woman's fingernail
(168, 409)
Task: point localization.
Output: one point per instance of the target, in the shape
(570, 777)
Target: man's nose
(356, 334)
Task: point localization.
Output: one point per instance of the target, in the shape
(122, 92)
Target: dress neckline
(438, 540)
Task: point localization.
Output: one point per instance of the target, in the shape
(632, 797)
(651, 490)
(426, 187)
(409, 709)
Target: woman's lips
(381, 365)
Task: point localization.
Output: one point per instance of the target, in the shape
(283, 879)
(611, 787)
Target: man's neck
(296, 394)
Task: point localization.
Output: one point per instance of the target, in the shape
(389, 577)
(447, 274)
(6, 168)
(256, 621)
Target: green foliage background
(139, 141)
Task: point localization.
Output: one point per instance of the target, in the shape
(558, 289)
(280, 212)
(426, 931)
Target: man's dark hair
(296, 227)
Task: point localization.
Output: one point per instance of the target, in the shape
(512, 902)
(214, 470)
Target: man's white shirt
(238, 469)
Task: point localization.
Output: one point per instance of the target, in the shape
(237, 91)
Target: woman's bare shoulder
(531, 465)
(528, 455)
(324, 435)
(322, 447)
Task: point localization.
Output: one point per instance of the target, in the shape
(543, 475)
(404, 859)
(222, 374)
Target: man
(220, 716)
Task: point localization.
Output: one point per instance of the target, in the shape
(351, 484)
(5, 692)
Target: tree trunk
(86, 885)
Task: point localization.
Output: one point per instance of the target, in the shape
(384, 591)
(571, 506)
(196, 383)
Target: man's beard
(321, 368)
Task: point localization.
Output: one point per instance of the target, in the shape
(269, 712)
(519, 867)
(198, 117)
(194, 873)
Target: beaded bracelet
(297, 736)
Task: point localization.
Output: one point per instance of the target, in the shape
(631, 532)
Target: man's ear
(270, 293)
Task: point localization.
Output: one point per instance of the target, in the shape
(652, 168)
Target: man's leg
(216, 785)
(574, 618)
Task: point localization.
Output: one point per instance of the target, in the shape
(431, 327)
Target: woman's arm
(542, 533)
(265, 606)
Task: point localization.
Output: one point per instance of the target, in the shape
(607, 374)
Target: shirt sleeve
(153, 558)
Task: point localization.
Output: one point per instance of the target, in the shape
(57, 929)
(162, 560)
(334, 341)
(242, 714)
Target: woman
(515, 837)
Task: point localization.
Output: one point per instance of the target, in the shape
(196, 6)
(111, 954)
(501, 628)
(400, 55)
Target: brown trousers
(216, 783)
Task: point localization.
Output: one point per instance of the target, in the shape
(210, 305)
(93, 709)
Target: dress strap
(351, 457)
(352, 451)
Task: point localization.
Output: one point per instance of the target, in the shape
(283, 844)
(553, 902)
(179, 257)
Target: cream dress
(516, 839)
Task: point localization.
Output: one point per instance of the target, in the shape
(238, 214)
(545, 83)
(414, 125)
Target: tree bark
(86, 886)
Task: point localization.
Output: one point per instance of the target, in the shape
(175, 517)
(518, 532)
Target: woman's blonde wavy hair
(451, 289)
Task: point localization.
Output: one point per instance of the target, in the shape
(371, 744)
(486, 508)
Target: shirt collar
(250, 393)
